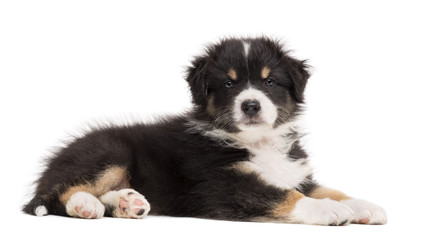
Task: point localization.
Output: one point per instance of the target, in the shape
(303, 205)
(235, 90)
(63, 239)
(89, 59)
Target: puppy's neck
(258, 137)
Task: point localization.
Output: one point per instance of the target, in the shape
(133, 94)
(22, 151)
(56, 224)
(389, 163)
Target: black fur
(181, 171)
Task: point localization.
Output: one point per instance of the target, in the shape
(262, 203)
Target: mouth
(250, 121)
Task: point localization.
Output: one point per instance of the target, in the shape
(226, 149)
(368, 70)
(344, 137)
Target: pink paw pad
(364, 221)
(133, 205)
(84, 214)
(84, 205)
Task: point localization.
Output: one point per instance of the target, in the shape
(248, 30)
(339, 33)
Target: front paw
(321, 212)
(366, 212)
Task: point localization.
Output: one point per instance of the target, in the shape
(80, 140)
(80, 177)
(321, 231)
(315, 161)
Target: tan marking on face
(323, 192)
(265, 72)
(232, 74)
(284, 208)
(113, 178)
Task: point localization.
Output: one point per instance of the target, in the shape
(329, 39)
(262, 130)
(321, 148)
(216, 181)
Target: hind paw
(126, 203)
(84, 205)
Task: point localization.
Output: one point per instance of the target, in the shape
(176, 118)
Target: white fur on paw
(321, 212)
(84, 205)
(366, 212)
(127, 203)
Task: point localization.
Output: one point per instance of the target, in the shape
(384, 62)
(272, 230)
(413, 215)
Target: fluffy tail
(37, 207)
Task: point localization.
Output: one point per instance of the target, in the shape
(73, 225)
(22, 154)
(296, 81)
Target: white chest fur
(275, 168)
(269, 158)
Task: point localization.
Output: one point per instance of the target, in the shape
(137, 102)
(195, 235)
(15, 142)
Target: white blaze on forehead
(246, 47)
(268, 112)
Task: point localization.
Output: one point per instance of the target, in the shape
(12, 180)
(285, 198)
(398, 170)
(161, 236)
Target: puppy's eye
(228, 84)
(269, 81)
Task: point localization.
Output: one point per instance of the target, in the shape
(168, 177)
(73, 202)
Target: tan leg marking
(265, 72)
(232, 74)
(323, 192)
(72, 190)
(284, 208)
(111, 178)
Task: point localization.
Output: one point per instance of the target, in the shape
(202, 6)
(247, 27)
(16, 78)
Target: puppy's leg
(364, 212)
(125, 203)
(84, 205)
(248, 198)
(296, 208)
(82, 200)
(322, 192)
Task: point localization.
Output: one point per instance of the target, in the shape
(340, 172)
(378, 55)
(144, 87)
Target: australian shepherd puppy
(235, 156)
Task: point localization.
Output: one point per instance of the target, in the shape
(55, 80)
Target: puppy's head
(240, 84)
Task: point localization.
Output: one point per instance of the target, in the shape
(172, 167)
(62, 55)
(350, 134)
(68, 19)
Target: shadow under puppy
(235, 156)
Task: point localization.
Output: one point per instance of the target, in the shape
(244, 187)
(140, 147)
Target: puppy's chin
(251, 122)
(248, 124)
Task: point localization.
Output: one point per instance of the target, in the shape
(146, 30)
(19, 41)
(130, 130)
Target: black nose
(250, 107)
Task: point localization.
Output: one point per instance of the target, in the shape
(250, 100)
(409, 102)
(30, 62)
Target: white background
(66, 64)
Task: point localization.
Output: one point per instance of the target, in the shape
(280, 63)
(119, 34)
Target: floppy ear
(196, 80)
(298, 73)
